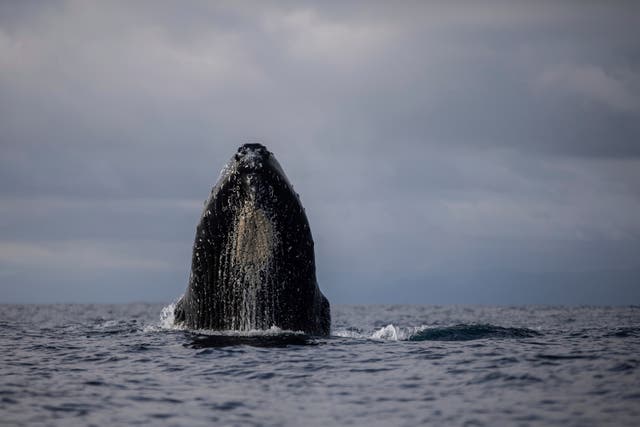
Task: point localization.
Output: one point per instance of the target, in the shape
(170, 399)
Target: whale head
(253, 264)
(251, 170)
(252, 157)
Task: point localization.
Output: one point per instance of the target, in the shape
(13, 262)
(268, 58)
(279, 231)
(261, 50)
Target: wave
(628, 332)
(460, 332)
(472, 332)
(216, 340)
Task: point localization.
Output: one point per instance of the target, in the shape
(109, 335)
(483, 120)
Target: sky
(480, 152)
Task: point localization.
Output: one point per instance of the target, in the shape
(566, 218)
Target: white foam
(348, 333)
(167, 323)
(386, 333)
(272, 331)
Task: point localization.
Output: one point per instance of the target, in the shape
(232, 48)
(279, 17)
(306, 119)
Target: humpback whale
(253, 262)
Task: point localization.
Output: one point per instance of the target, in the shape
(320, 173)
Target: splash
(166, 322)
(167, 317)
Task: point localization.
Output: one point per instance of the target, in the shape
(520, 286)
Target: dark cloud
(429, 141)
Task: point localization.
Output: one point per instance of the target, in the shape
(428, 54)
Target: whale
(253, 261)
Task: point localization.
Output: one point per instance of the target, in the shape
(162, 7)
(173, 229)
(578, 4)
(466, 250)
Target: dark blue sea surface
(392, 365)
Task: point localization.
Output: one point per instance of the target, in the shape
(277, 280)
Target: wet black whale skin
(287, 293)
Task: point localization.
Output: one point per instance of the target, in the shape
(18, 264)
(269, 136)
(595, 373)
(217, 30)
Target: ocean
(383, 365)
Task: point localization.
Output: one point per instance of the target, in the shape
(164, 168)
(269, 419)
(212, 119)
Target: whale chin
(253, 262)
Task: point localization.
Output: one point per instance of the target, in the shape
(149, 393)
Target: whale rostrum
(253, 263)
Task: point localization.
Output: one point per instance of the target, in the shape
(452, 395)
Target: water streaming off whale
(253, 240)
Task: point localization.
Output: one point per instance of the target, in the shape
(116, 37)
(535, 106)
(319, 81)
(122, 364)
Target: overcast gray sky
(445, 152)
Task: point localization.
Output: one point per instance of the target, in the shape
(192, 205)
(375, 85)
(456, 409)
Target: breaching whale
(253, 263)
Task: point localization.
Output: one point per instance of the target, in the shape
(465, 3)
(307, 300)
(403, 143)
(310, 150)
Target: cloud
(426, 139)
(317, 39)
(594, 84)
(79, 255)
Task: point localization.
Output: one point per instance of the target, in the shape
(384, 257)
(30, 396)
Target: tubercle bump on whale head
(251, 157)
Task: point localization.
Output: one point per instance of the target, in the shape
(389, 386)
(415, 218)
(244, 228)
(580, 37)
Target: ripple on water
(383, 365)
